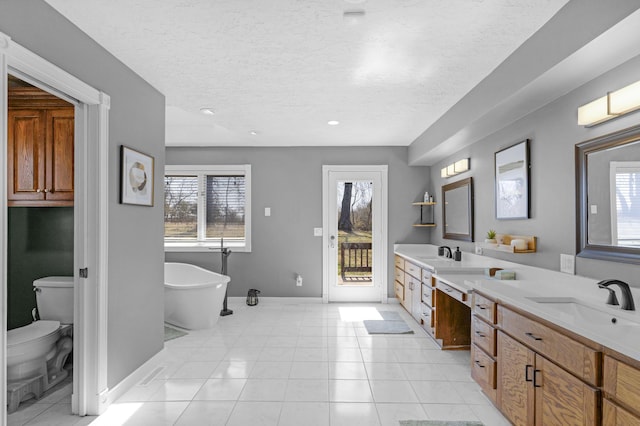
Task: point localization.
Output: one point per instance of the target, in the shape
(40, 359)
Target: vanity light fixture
(614, 104)
(453, 169)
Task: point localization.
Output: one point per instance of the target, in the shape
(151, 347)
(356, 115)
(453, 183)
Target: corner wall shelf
(505, 243)
(422, 223)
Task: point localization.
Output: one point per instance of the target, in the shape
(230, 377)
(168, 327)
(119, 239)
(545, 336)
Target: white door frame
(90, 222)
(383, 170)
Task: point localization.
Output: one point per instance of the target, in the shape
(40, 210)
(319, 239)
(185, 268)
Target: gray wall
(553, 132)
(135, 233)
(289, 180)
(40, 245)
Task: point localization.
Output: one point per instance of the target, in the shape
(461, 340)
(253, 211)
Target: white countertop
(541, 285)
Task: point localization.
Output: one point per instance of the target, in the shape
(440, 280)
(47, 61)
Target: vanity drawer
(483, 368)
(399, 291)
(427, 294)
(413, 270)
(622, 381)
(399, 262)
(485, 308)
(400, 276)
(613, 415)
(427, 278)
(450, 291)
(574, 356)
(427, 315)
(483, 335)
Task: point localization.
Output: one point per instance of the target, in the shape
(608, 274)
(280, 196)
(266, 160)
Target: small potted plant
(491, 237)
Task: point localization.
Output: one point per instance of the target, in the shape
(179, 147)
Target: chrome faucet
(627, 297)
(448, 253)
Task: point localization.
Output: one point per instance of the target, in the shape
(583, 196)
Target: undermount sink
(572, 310)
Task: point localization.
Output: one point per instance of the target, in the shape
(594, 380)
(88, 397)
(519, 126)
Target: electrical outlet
(317, 232)
(478, 250)
(299, 280)
(567, 264)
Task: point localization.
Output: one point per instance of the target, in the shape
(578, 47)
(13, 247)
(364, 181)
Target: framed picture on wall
(136, 177)
(512, 181)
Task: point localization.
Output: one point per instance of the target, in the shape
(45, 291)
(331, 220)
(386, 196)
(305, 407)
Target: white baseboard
(132, 379)
(393, 301)
(279, 300)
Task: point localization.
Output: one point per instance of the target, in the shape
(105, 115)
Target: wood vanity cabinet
(484, 361)
(40, 152)
(544, 389)
(621, 385)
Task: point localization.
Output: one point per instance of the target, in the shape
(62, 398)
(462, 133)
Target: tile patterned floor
(297, 364)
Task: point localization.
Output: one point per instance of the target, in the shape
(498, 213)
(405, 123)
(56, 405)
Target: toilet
(40, 349)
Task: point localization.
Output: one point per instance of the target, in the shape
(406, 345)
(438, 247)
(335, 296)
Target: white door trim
(383, 170)
(90, 217)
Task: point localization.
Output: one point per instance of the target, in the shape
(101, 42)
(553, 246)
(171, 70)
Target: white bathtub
(193, 296)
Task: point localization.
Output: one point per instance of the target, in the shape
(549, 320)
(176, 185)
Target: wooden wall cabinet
(40, 150)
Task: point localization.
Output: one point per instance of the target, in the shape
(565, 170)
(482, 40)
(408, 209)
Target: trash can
(252, 297)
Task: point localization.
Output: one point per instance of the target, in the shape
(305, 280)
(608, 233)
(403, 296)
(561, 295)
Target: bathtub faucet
(225, 252)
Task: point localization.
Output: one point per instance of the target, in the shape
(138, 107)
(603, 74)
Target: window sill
(203, 247)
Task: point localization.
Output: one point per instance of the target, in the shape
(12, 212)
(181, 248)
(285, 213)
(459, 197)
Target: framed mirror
(457, 210)
(608, 197)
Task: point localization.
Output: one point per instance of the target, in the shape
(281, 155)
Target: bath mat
(171, 333)
(439, 423)
(391, 323)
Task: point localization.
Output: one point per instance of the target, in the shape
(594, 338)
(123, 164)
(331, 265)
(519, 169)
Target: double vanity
(545, 348)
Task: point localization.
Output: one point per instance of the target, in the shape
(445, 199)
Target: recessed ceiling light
(253, 133)
(333, 122)
(355, 1)
(207, 111)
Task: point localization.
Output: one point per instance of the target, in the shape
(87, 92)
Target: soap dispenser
(457, 255)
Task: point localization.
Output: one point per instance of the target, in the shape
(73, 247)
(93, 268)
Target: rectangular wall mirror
(457, 210)
(608, 197)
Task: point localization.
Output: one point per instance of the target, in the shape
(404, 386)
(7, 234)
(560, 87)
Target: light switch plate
(568, 264)
(267, 211)
(317, 232)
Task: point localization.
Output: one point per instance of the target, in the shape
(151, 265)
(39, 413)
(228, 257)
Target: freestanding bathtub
(193, 296)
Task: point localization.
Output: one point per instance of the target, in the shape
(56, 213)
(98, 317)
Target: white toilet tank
(54, 298)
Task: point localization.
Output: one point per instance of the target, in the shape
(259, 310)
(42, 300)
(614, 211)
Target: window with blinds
(627, 202)
(205, 207)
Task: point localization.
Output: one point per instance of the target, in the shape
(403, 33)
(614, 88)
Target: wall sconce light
(455, 168)
(614, 104)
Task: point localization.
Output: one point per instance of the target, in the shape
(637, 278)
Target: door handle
(332, 241)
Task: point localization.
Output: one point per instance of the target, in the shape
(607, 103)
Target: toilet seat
(31, 333)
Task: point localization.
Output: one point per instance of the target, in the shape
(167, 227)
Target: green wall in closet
(40, 245)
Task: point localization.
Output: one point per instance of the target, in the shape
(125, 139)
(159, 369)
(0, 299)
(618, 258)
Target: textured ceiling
(283, 68)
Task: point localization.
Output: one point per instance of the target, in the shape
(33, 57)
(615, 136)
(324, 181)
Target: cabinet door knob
(45, 190)
(535, 379)
(534, 337)
(526, 373)
(38, 190)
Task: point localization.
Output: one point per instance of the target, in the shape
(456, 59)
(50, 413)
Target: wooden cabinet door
(613, 415)
(515, 375)
(26, 155)
(59, 155)
(562, 399)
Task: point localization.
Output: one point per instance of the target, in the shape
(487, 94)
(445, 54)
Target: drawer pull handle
(535, 377)
(526, 373)
(478, 364)
(480, 334)
(533, 336)
(483, 307)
